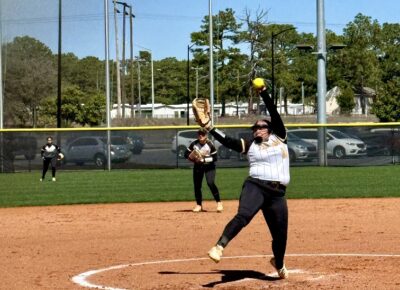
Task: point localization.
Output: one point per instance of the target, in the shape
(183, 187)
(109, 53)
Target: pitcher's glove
(196, 156)
(201, 111)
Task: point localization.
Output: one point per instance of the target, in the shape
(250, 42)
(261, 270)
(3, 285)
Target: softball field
(333, 244)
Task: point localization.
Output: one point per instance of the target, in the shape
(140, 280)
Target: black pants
(198, 174)
(273, 204)
(46, 163)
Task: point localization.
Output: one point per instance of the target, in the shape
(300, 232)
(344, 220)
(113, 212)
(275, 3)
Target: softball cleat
(283, 272)
(220, 207)
(216, 253)
(197, 208)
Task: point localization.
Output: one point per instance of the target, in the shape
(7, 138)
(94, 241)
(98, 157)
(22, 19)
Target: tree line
(242, 51)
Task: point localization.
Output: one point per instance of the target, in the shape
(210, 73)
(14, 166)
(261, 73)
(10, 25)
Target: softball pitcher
(265, 187)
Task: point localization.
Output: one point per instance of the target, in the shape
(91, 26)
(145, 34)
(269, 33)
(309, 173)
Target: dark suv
(21, 145)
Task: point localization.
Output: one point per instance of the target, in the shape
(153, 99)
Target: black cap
(202, 131)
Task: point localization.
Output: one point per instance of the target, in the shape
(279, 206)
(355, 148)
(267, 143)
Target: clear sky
(164, 26)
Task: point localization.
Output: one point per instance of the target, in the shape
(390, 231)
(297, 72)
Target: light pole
(321, 82)
(273, 36)
(188, 83)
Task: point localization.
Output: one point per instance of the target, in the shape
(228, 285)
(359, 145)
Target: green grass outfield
(81, 187)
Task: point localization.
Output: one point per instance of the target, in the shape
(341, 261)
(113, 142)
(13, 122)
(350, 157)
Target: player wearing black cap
(50, 152)
(204, 165)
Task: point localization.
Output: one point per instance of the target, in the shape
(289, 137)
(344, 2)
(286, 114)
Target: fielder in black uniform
(49, 153)
(204, 166)
(265, 187)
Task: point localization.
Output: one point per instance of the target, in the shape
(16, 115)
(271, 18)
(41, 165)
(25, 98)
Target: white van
(338, 144)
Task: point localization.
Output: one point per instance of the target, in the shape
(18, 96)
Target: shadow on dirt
(227, 276)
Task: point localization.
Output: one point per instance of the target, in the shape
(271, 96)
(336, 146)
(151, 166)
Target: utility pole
(197, 79)
(117, 62)
(188, 83)
(123, 63)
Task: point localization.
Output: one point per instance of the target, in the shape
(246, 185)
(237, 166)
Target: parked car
(135, 142)
(183, 139)
(300, 149)
(382, 141)
(94, 149)
(338, 144)
(21, 145)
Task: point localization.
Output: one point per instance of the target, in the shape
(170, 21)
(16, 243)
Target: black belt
(273, 184)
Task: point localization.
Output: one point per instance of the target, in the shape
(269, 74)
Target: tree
(346, 99)
(77, 107)
(253, 36)
(360, 66)
(387, 106)
(30, 78)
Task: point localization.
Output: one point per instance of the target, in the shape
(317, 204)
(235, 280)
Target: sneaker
(220, 207)
(283, 272)
(54, 179)
(197, 208)
(41, 179)
(216, 253)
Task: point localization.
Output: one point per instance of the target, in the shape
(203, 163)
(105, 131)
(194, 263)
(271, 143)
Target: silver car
(94, 149)
(300, 149)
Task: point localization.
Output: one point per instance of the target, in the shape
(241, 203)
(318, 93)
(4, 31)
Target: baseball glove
(201, 111)
(196, 156)
(60, 156)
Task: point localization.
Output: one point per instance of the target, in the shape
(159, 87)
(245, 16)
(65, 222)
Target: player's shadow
(191, 211)
(227, 276)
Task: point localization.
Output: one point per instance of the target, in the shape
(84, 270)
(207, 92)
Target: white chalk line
(81, 279)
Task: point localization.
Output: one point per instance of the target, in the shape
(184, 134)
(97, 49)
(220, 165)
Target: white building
(179, 111)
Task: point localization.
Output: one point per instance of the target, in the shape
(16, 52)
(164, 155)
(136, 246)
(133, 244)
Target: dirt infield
(341, 244)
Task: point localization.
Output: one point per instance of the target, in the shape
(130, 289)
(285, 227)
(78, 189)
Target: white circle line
(81, 279)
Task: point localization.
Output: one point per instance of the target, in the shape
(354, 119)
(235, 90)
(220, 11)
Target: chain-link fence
(165, 147)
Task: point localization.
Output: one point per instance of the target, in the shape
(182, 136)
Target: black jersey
(207, 149)
(50, 151)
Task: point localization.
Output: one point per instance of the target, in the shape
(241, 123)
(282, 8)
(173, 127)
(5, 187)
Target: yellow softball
(258, 83)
